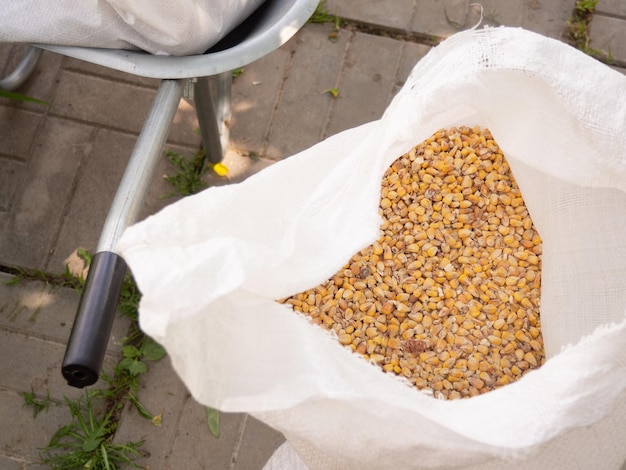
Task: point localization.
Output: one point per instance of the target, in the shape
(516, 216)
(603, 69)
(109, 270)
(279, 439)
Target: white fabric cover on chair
(166, 27)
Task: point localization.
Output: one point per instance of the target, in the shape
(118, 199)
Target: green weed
(577, 30)
(322, 16)
(213, 421)
(87, 441)
(190, 170)
(38, 405)
(66, 279)
(19, 97)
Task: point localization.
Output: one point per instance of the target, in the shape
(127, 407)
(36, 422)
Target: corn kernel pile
(448, 296)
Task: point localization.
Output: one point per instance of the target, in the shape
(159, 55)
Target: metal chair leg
(224, 91)
(90, 334)
(207, 119)
(23, 70)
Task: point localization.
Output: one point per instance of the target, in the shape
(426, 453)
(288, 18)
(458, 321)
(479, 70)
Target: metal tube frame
(223, 110)
(213, 114)
(91, 330)
(23, 70)
(131, 192)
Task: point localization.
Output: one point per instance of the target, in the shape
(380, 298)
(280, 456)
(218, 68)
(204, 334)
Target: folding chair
(273, 24)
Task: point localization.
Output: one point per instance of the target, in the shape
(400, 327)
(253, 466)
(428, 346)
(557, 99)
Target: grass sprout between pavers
(87, 441)
(577, 30)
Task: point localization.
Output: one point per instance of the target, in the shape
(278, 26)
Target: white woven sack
(168, 27)
(211, 265)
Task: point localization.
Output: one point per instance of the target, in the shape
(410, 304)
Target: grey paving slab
(12, 172)
(117, 105)
(22, 435)
(611, 7)
(444, 18)
(15, 147)
(303, 109)
(366, 83)
(96, 100)
(608, 34)
(255, 95)
(258, 443)
(548, 17)
(38, 309)
(8, 54)
(95, 188)
(42, 82)
(184, 128)
(409, 57)
(440, 18)
(20, 127)
(30, 232)
(496, 13)
(196, 447)
(163, 394)
(9, 463)
(391, 14)
(35, 365)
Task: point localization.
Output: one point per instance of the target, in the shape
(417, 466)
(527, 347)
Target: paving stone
(369, 70)
(411, 54)
(93, 195)
(25, 435)
(40, 202)
(11, 172)
(548, 17)
(255, 94)
(18, 131)
(440, 18)
(496, 13)
(8, 57)
(611, 7)
(392, 14)
(196, 447)
(160, 192)
(608, 34)
(96, 188)
(42, 81)
(303, 109)
(115, 105)
(35, 366)
(184, 128)
(98, 101)
(258, 443)
(16, 141)
(8, 463)
(47, 312)
(163, 394)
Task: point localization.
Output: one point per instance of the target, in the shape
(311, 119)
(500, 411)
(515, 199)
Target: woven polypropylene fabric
(209, 289)
(173, 27)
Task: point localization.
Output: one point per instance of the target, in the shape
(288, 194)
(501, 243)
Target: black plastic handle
(88, 341)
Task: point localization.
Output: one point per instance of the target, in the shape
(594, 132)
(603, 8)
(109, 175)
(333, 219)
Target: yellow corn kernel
(448, 295)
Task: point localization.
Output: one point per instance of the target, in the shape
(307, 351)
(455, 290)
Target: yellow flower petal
(220, 169)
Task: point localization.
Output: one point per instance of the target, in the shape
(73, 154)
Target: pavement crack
(388, 32)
